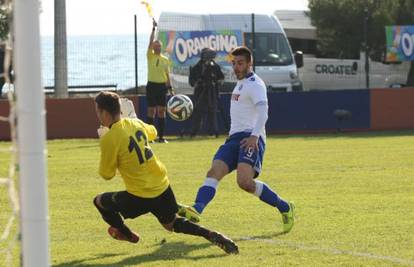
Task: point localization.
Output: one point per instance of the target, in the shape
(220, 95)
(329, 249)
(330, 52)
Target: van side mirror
(299, 59)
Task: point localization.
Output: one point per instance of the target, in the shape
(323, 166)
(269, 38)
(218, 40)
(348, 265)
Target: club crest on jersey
(252, 79)
(235, 97)
(240, 87)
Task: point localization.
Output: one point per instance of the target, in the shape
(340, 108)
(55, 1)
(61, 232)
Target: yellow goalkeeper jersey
(158, 67)
(125, 147)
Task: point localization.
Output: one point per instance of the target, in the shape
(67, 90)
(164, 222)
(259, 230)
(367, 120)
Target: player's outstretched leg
(117, 230)
(118, 235)
(188, 212)
(288, 218)
(182, 225)
(204, 195)
(287, 209)
(223, 242)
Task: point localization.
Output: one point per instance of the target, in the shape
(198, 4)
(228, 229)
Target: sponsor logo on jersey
(235, 97)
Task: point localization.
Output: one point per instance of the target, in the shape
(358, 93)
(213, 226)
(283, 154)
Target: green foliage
(353, 194)
(4, 23)
(336, 38)
(404, 13)
(405, 16)
(340, 25)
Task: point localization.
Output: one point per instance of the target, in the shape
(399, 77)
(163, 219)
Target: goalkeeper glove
(102, 130)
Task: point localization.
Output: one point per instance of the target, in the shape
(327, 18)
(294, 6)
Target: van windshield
(272, 49)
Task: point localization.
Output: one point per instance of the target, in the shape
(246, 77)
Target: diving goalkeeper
(125, 146)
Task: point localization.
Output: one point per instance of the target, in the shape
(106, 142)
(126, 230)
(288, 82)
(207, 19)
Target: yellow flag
(148, 7)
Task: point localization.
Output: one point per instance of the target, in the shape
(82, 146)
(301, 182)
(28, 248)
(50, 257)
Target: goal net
(8, 194)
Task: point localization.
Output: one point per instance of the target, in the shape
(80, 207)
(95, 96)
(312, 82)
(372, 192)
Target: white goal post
(31, 134)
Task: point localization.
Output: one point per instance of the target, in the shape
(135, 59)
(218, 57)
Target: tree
(340, 26)
(6, 16)
(404, 15)
(4, 23)
(61, 65)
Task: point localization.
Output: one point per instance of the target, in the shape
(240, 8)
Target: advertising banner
(400, 43)
(184, 47)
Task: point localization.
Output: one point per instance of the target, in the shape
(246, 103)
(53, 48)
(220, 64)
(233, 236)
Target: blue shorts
(232, 154)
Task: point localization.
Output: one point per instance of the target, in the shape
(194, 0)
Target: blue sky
(100, 17)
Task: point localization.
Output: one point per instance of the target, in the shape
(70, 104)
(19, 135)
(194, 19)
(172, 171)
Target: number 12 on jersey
(146, 153)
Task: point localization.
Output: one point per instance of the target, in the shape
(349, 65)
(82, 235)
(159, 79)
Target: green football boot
(288, 218)
(188, 212)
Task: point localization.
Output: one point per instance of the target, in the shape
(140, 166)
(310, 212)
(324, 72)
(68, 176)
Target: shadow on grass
(265, 236)
(164, 252)
(81, 261)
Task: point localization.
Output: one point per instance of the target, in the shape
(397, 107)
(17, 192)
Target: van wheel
(396, 85)
(297, 88)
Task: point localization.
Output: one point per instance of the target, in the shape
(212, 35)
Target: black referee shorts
(164, 207)
(156, 94)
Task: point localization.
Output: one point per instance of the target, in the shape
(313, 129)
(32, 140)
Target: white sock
(259, 188)
(212, 182)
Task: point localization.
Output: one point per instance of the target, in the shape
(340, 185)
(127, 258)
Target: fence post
(253, 44)
(366, 48)
(136, 52)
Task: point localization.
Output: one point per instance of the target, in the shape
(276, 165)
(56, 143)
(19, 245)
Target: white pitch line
(334, 251)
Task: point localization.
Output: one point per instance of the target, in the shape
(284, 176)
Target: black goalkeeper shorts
(164, 207)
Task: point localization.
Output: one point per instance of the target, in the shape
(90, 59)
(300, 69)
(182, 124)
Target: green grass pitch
(354, 196)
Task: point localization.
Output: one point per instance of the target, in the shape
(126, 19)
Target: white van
(338, 74)
(185, 35)
(335, 73)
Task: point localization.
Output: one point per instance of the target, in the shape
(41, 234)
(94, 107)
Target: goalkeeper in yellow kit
(125, 147)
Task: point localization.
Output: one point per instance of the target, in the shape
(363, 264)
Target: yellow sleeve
(109, 154)
(150, 130)
(168, 66)
(150, 52)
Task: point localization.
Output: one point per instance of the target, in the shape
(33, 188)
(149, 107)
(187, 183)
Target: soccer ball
(180, 107)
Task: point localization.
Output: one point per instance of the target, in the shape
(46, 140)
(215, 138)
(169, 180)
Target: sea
(97, 61)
